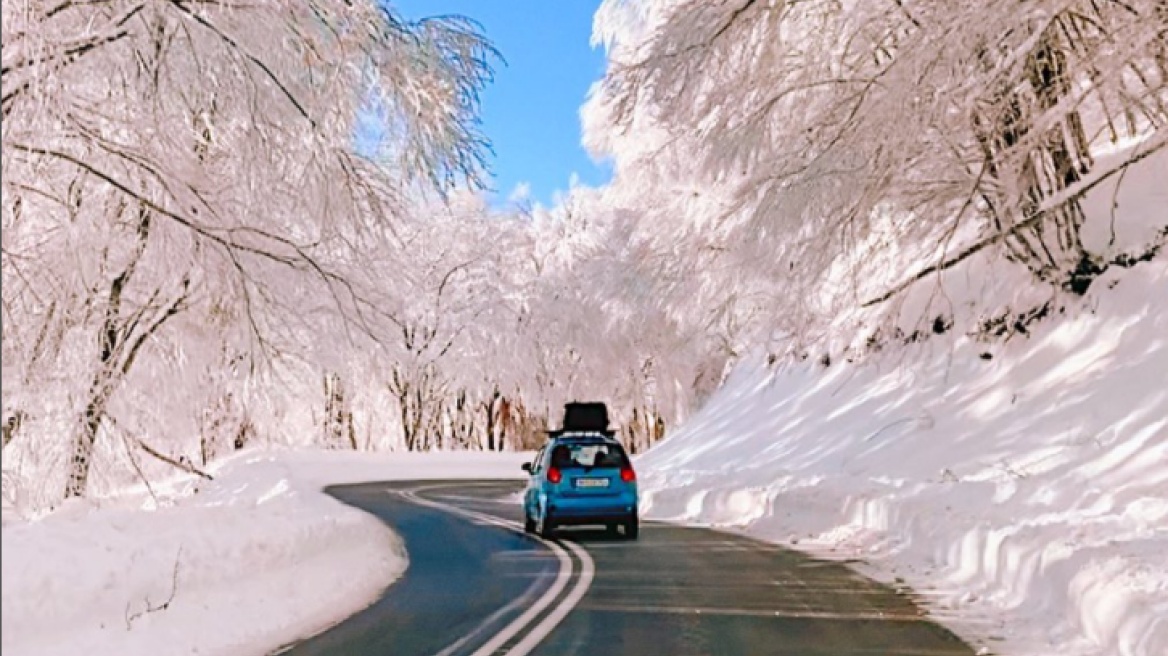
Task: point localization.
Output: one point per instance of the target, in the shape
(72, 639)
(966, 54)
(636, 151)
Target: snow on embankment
(263, 558)
(1025, 496)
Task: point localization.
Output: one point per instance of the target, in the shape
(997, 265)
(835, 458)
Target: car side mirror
(526, 467)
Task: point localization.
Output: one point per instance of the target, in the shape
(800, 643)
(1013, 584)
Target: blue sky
(531, 110)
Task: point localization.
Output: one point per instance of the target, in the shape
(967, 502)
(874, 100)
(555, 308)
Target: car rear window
(588, 456)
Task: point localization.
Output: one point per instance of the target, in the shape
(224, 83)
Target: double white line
(557, 614)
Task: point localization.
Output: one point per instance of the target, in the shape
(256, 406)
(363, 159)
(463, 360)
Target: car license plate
(591, 482)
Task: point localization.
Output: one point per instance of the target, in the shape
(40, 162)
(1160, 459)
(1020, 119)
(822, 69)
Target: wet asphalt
(677, 591)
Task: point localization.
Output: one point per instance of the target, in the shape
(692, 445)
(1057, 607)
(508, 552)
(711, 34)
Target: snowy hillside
(1024, 496)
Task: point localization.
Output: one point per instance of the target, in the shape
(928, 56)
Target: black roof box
(585, 418)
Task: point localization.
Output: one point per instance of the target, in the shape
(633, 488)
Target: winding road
(477, 586)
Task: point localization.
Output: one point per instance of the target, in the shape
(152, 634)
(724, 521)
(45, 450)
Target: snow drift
(1024, 495)
(257, 558)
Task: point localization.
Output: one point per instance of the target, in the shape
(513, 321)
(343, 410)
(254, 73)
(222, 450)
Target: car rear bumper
(598, 510)
(584, 520)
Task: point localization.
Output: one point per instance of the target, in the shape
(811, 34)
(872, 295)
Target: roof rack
(584, 434)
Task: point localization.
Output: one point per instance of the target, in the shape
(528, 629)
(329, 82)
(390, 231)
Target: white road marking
(521, 622)
(504, 501)
(760, 612)
(534, 636)
(475, 633)
(541, 630)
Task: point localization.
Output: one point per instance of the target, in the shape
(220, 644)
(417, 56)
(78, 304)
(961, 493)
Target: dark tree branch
(1014, 230)
(150, 608)
(178, 4)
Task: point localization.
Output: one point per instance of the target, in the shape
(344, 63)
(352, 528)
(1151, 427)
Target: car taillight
(554, 475)
(628, 475)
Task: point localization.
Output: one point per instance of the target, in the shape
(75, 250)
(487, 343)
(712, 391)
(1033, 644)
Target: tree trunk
(504, 412)
(492, 411)
(12, 426)
(338, 417)
(1052, 249)
(99, 392)
(85, 441)
(244, 435)
(111, 345)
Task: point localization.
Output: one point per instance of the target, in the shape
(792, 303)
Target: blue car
(580, 479)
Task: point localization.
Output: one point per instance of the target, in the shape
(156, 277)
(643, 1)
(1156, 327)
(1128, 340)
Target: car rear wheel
(546, 528)
(528, 524)
(632, 528)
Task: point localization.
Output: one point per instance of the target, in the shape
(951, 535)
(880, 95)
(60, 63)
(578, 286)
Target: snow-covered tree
(180, 183)
(832, 141)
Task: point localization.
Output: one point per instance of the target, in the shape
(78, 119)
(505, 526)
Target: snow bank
(263, 558)
(1025, 496)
